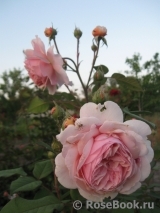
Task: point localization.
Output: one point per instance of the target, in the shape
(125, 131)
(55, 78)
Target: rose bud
(99, 31)
(100, 96)
(77, 33)
(99, 75)
(56, 146)
(68, 121)
(48, 32)
(57, 112)
(94, 48)
(51, 155)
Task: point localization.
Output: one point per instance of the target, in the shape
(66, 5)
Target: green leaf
(43, 192)
(154, 185)
(37, 105)
(75, 194)
(24, 184)
(41, 143)
(43, 205)
(42, 169)
(104, 40)
(102, 68)
(10, 172)
(154, 194)
(130, 82)
(125, 110)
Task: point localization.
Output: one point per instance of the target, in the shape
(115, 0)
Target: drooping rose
(99, 31)
(102, 155)
(45, 69)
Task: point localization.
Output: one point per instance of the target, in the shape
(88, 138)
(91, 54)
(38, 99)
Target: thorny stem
(93, 63)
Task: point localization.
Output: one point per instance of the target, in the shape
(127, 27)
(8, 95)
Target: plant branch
(54, 40)
(72, 62)
(93, 63)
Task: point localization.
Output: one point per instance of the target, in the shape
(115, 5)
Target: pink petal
(97, 197)
(62, 173)
(111, 113)
(39, 49)
(150, 153)
(139, 127)
(145, 168)
(109, 126)
(133, 189)
(130, 182)
(65, 134)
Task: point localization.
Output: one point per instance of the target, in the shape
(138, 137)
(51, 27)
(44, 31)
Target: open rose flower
(101, 155)
(99, 31)
(45, 69)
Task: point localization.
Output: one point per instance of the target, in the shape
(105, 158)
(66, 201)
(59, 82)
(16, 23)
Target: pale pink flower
(45, 69)
(101, 155)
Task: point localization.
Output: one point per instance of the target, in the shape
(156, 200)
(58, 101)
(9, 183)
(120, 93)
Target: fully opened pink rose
(102, 155)
(45, 69)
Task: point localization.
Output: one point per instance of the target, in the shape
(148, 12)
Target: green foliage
(10, 172)
(43, 205)
(42, 169)
(37, 105)
(23, 184)
(129, 82)
(102, 68)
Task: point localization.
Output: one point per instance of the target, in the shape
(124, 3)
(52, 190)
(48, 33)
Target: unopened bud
(51, 155)
(57, 112)
(68, 121)
(56, 146)
(77, 33)
(50, 32)
(99, 75)
(94, 48)
(100, 96)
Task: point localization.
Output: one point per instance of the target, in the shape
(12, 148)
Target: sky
(132, 25)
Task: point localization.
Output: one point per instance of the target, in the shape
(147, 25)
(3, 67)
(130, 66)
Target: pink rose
(101, 155)
(45, 69)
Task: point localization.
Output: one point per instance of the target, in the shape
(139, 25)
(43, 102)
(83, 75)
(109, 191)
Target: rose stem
(95, 55)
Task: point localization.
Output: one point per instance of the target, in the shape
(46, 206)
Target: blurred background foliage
(24, 133)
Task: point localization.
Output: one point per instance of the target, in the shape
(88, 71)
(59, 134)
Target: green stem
(79, 76)
(93, 63)
(54, 40)
(72, 62)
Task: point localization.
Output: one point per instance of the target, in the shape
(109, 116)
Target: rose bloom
(99, 31)
(114, 92)
(45, 69)
(101, 155)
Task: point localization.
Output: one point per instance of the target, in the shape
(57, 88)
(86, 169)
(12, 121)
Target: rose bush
(102, 155)
(45, 69)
